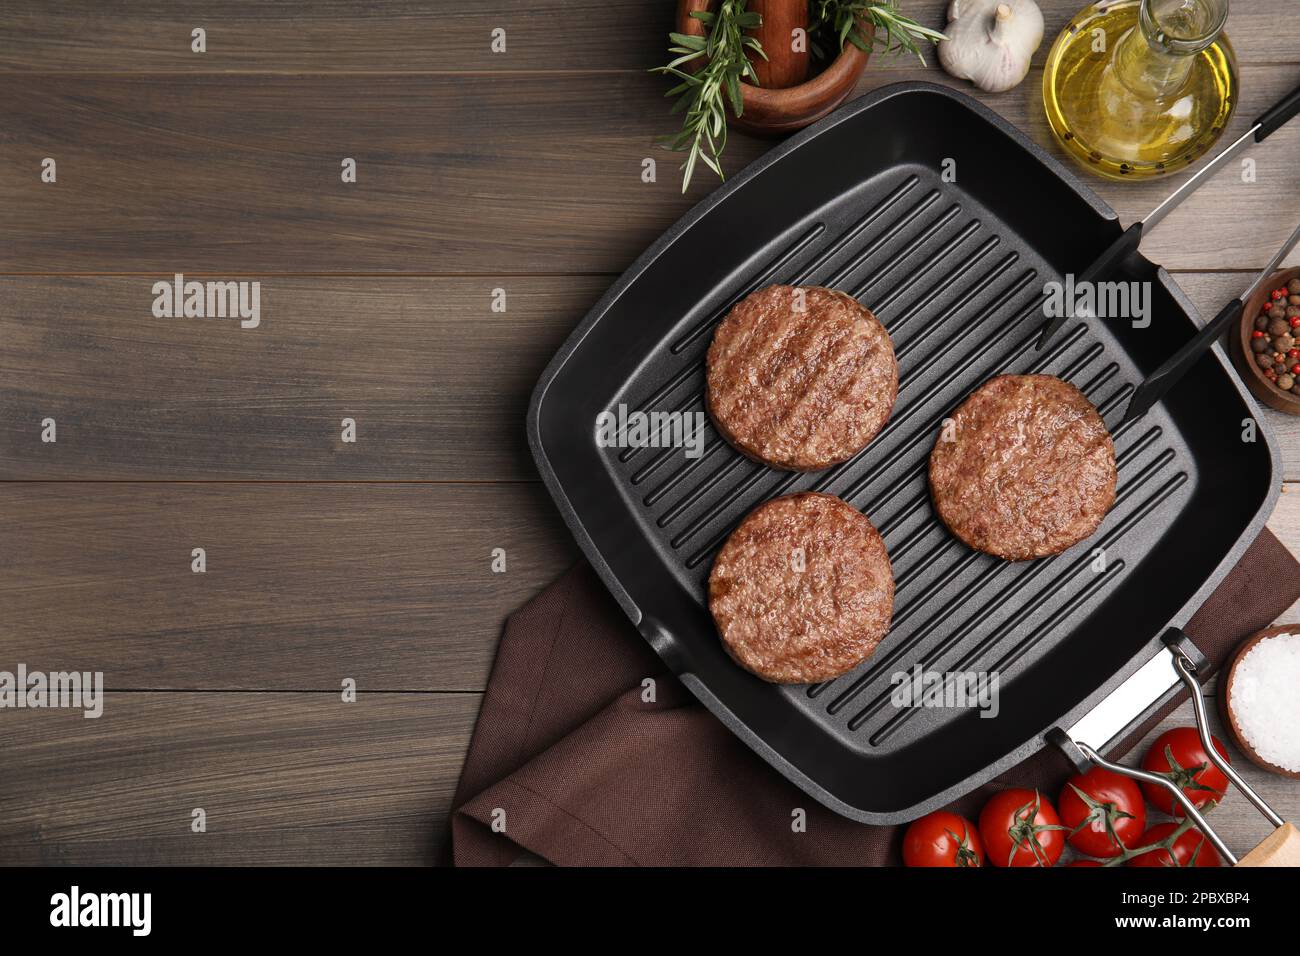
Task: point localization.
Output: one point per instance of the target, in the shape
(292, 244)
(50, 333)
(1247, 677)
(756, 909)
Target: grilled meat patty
(800, 378)
(1025, 468)
(803, 590)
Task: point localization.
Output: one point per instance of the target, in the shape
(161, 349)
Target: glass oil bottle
(1136, 89)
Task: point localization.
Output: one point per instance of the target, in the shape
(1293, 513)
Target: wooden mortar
(784, 66)
(775, 111)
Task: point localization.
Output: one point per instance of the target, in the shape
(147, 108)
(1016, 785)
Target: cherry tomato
(1103, 811)
(1190, 849)
(1179, 755)
(1020, 828)
(942, 839)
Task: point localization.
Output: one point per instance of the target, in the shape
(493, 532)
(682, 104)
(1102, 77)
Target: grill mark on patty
(840, 390)
(810, 391)
(1031, 472)
(792, 626)
(800, 390)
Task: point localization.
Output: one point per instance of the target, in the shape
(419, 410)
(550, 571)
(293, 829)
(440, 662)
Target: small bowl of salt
(1262, 699)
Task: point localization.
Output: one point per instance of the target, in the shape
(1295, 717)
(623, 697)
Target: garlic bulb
(990, 42)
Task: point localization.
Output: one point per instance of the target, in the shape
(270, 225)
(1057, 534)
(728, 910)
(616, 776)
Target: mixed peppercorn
(1276, 338)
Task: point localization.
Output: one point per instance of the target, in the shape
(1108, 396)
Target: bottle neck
(1154, 58)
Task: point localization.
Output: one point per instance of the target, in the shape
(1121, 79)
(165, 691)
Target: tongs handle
(1278, 115)
(1155, 386)
(1280, 848)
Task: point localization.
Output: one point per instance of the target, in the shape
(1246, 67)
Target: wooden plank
(334, 36)
(284, 779)
(407, 35)
(437, 383)
(292, 779)
(306, 584)
(462, 173)
(455, 174)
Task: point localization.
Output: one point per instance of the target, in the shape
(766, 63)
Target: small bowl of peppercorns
(1267, 351)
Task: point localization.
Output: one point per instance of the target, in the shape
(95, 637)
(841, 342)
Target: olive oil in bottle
(1136, 89)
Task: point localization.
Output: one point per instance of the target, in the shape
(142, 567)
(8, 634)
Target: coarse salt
(1266, 702)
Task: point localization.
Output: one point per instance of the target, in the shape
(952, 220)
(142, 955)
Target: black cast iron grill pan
(956, 271)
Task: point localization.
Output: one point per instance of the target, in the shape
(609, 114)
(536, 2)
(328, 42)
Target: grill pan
(955, 270)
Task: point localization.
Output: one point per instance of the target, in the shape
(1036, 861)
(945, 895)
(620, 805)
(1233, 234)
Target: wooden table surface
(327, 560)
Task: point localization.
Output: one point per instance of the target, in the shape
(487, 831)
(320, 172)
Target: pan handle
(1124, 708)
(668, 648)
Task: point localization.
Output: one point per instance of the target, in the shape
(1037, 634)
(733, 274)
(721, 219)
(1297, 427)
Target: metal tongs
(1277, 116)
(1280, 848)
(1156, 385)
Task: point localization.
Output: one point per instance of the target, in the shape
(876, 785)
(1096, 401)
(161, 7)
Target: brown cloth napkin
(588, 774)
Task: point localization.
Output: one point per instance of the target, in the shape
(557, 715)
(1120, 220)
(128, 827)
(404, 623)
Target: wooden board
(306, 584)
(284, 779)
(414, 35)
(333, 36)
(368, 773)
(1285, 523)
(437, 383)
(389, 584)
(551, 184)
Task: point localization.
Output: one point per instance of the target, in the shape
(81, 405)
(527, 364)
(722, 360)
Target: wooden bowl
(1244, 358)
(772, 112)
(1225, 698)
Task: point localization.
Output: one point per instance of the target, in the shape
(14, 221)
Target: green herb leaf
(688, 40)
(845, 20)
(704, 95)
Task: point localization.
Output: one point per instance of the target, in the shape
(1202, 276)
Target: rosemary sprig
(725, 49)
(703, 94)
(840, 19)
